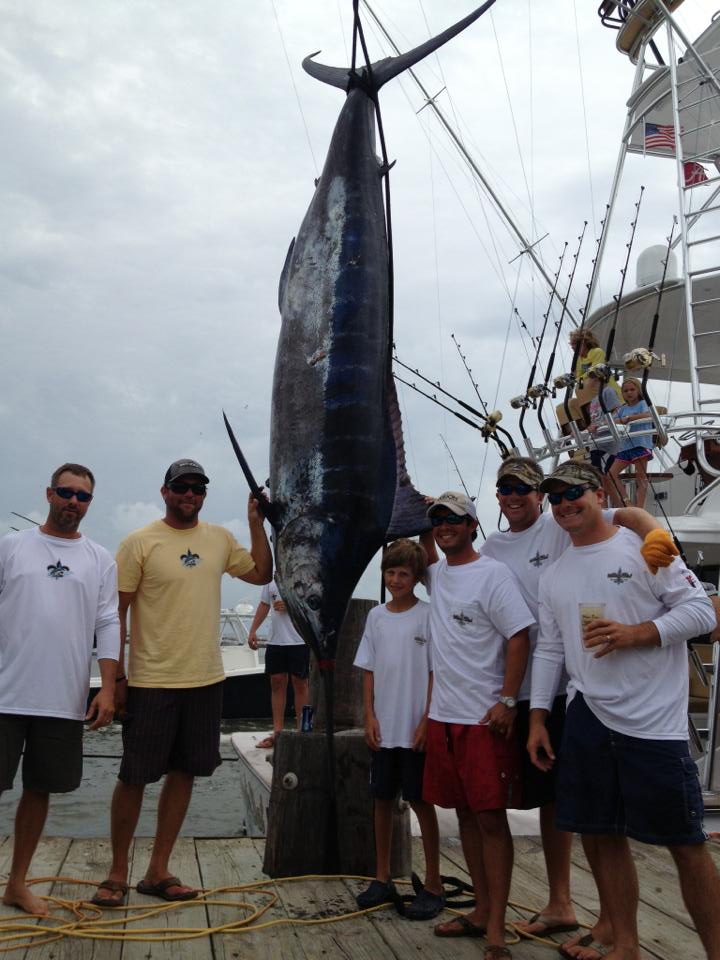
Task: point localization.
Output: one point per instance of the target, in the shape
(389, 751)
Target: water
(214, 809)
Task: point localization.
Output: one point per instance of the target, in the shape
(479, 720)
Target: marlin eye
(313, 601)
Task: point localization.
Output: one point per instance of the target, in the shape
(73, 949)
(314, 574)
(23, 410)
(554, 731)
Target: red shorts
(470, 768)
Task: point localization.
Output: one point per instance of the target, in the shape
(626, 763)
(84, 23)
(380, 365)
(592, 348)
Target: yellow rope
(90, 922)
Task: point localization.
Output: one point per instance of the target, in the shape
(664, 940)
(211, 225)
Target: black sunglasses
(571, 493)
(181, 486)
(67, 493)
(521, 489)
(452, 518)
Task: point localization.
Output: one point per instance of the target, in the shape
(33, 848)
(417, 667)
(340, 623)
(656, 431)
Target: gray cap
(455, 502)
(185, 468)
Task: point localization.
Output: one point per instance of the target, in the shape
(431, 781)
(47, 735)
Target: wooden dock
(665, 928)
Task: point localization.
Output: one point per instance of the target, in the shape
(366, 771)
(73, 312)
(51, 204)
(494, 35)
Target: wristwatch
(509, 702)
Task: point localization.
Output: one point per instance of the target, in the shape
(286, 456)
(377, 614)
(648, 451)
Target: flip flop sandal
(117, 886)
(496, 952)
(548, 928)
(465, 928)
(586, 942)
(161, 888)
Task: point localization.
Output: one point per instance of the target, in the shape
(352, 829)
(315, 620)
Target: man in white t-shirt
(58, 591)
(479, 624)
(625, 769)
(532, 543)
(286, 655)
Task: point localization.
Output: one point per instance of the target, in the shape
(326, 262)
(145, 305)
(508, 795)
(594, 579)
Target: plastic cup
(592, 610)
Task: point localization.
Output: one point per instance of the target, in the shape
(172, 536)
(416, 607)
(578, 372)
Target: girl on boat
(633, 412)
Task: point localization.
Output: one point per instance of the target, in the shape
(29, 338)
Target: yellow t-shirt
(596, 355)
(175, 615)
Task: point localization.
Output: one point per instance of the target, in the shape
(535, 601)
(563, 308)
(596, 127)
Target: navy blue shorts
(393, 769)
(539, 787)
(610, 783)
(292, 658)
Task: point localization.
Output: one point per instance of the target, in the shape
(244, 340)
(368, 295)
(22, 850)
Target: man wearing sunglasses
(625, 769)
(533, 541)
(479, 625)
(58, 590)
(169, 575)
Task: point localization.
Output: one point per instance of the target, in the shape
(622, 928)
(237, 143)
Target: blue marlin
(338, 480)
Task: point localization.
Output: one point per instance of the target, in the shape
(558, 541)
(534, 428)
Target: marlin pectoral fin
(284, 275)
(266, 508)
(384, 70)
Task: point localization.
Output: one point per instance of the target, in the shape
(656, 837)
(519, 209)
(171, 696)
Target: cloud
(127, 517)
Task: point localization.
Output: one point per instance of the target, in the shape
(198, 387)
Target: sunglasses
(572, 493)
(521, 489)
(67, 493)
(452, 518)
(181, 486)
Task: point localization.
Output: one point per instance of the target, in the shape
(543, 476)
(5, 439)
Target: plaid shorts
(171, 728)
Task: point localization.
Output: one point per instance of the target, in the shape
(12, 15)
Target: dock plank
(227, 863)
(183, 864)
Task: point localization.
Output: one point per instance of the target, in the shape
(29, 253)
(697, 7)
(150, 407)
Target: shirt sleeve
(129, 565)
(548, 656)
(690, 612)
(265, 595)
(239, 560)
(506, 607)
(107, 620)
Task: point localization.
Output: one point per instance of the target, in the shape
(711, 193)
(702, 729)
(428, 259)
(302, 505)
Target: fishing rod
(569, 380)
(541, 390)
(460, 477)
(476, 388)
(525, 400)
(490, 422)
(23, 517)
(603, 371)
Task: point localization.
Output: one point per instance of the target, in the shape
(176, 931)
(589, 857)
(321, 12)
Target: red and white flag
(694, 173)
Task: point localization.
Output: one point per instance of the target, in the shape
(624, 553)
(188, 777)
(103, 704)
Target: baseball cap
(458, 503)
(572, 472)
(521, 468)
(183, 468)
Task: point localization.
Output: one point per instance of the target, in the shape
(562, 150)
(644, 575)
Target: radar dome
(651, 263)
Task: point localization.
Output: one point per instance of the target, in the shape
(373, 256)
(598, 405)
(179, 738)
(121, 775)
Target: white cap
(458, 503)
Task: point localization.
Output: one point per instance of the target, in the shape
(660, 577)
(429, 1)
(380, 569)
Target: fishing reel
(564, 380)
(539, 390)
(521, 403)
(491, 422)
(641, 358)
(601, 371)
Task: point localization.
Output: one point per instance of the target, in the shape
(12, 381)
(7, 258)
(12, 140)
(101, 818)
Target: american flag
(659, 136)
(694, 173)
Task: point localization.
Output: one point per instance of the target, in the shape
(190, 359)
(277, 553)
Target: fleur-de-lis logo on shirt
(619, 576)
(57, 570)
(190, 559)
(537, 560)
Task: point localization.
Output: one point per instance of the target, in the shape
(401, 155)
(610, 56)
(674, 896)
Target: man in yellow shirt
(169, 575)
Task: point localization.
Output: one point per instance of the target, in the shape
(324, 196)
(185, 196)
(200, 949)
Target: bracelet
(120, 679)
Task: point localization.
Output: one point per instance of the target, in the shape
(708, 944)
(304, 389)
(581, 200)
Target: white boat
(247, 691)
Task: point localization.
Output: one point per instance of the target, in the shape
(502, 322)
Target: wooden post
(297, 840)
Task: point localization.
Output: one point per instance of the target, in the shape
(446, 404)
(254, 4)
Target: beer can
(306, 723)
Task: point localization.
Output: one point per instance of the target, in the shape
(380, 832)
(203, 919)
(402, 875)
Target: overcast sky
(159, 155)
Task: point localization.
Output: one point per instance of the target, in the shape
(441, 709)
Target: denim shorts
(610, 783)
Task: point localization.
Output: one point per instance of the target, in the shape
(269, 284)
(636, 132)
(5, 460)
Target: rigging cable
(584, 111)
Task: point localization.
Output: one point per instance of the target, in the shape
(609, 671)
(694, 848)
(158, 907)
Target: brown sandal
(117, 886)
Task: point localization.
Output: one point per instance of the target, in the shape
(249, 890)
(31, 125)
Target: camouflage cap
(571, 472)
(458, 503)
(521, 468)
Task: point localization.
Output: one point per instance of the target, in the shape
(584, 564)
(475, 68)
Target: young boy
(395, 654)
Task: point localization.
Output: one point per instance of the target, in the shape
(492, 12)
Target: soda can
(306, 723)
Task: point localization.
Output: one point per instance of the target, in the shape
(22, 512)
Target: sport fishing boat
(247, 693)
(666, 330)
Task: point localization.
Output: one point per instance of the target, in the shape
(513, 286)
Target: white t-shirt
(475, 607)
(396, 648)
(528, 553)
(55, 594)
(282, 631)
(641, 692)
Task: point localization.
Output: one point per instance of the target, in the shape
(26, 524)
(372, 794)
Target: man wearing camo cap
(625, 770)
(533, 541)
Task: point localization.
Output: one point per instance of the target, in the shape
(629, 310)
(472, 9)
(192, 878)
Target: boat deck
(665, 928)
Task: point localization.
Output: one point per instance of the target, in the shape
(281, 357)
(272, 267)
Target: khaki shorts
(52, 760)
